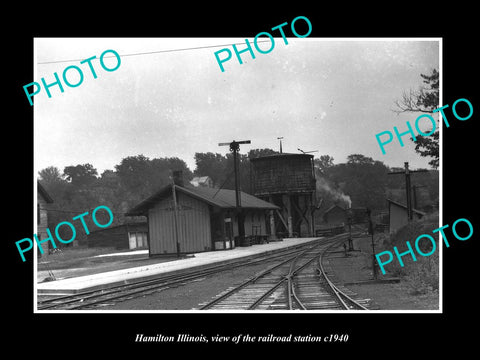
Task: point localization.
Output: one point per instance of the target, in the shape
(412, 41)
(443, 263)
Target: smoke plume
(337, 195)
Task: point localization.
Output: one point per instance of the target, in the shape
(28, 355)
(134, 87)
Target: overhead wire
(221, 186)
(138, 54)
(147, 53)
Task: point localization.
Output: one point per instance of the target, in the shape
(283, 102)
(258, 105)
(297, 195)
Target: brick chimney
(178, 177)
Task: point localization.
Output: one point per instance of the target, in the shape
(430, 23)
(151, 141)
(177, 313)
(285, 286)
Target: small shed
(194, 219)
(335, 215)
(358, 215)
(398, 215)
(43, 201)
(125, 236)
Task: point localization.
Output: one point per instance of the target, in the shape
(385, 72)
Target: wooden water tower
(288, 181)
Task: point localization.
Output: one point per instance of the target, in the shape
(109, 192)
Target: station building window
(137, 240)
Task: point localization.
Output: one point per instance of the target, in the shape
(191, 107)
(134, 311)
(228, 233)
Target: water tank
(283, 174)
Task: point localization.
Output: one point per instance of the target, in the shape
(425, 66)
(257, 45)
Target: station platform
(198, 260)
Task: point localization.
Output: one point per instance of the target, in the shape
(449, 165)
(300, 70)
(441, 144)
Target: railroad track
(298, 282)
(97, 298)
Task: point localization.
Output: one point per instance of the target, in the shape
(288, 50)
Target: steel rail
(299, 302)
(156, 283)
(94, 297)
(293, 272)
(287, 278)
(262, 298)
(150, 281)
(253, 280)
(245, 283)
(338, 293)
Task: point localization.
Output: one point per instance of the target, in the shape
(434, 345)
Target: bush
(421, 275)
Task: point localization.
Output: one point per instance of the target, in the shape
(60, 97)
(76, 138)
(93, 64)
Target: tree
(140, 177)
(70, 197)
(53, 181)
(133, 173)
(220, 167)
(362, 178)
(212, 165)
(162, 169)
(425, 100)
(254, 153)
(80, 175)
(134, 179)
(50, 175)
(243, 173)
(109, 178)
(175, 163)
(323, 163)
(359, 159)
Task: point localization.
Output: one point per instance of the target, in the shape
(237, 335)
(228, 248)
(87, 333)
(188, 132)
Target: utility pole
(407, 173)
(370, 231)
(280, 138)
(234, 148)
(349, 222)
(175, 216)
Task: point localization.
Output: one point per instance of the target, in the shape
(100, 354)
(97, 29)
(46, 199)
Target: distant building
(125, 236)
(398, 215)
(199, 219)
(335, 215)
(202, 181)
(43, 199)
(359, 215)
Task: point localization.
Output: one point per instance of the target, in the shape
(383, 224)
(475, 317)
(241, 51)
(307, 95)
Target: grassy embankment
(422, 275)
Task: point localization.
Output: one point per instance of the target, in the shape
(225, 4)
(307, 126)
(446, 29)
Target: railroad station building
(186, 219)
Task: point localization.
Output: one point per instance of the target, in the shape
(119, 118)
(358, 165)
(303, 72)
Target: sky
(331, 96)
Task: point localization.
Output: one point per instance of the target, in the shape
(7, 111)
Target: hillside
(421, 275)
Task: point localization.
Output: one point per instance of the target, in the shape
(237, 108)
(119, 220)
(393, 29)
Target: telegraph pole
(407, 173)
(175, 216)
(370, 230)
(349, 222)
(280, 138)
(234, 148)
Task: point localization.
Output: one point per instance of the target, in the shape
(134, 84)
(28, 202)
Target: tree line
(359, 182)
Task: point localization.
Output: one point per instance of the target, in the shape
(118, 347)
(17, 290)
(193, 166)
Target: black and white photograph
(259, 185)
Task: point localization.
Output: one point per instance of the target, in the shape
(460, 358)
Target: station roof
(222, 198)
(396, 203)
(333, 207)
(41, 190)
